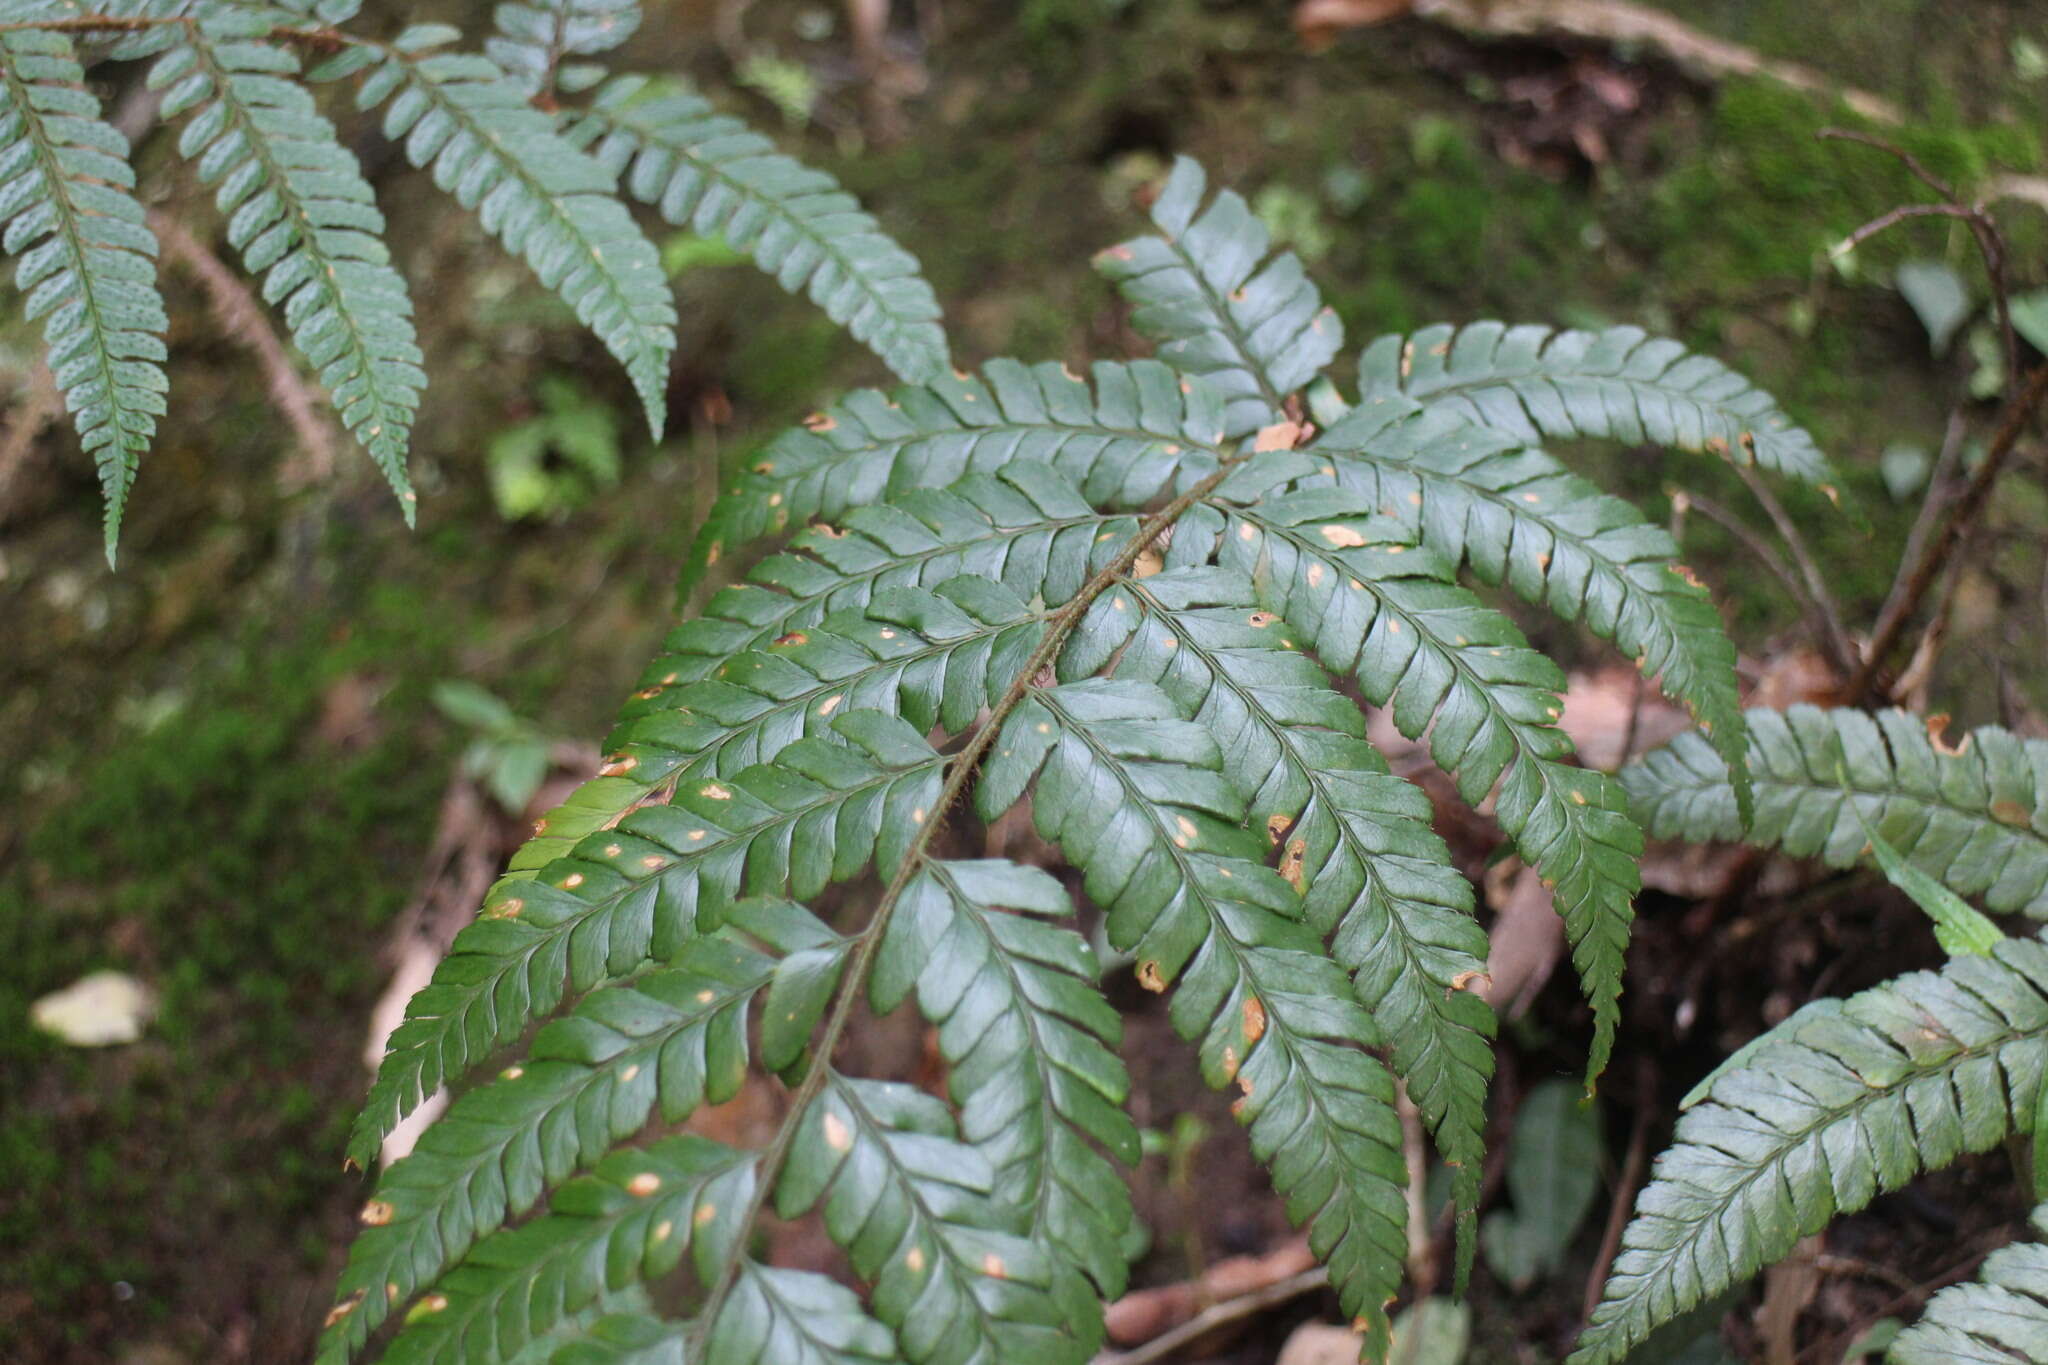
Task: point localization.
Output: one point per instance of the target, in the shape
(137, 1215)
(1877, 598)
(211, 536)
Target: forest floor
(221, 768)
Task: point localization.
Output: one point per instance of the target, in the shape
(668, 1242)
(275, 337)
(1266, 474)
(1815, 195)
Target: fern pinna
(501, 132)
(1129, 602)
(1847, 1099)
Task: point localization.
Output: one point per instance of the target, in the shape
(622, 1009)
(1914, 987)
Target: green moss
(1762, 199)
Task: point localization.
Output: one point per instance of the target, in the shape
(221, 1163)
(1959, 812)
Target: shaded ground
(219, 768)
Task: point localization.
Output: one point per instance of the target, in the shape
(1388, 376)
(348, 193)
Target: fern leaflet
(1974, 817)
(1621, 384)
(1829, 1110)
(1256, 333)
(543, 199)
(304, 219)
(714, 175)
(532, 40)
(1998, 1318)
(83, 256)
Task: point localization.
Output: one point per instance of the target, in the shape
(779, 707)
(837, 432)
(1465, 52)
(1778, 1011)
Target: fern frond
(1372, 871)
(1446, 665)
(84, 257)
(1028, 1037)
(1141, 430)
(1256, 333)
(1998, 1318)
(1518, 517)
(1133, 795)
(1621, 384)
(547, 202)
(532, 39)
(909, 1205)
(304, 219)
(1026, 527)
(675, 1038)
(712, 174)
(641, 890)
(622, 1339)
(1975, 818)
(1828, 1111)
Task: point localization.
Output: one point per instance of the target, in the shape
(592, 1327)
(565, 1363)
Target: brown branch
(1166, 1347)
(243, 320)
(1984, 227)
(1624, 1190)
(1835, 636)
(2019, 411)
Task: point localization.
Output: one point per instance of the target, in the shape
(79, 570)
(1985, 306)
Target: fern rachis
(1101, 594)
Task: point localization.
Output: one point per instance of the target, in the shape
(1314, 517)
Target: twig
(2018, 412)
(1624, 1190)
(1832, 1348)
(242, 319)
(1840, 648)
(1816, 616)
(1938, 497)
(1415, 1150)
(1984, 227)
(1217, 1315)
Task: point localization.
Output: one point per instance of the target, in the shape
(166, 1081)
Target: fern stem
(961, 772)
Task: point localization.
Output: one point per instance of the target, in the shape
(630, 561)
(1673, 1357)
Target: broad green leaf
(1998, 1317)
(1554, 1160)
(1938, 298)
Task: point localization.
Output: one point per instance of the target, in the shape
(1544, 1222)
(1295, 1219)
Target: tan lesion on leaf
(2009, 812)
(1150, 977)
(378, 1212)
(1343, 537)
(1291, 865)
(1254, 1019)
(1937, 735)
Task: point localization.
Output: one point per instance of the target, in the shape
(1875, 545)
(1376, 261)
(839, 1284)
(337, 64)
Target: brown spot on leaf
(342, 1309)
(1343, 537)
(378, 1212)
(1277, 825)
(1479, 983)
(1937, 728)
(1279, 436)
(795, 637)
(2009, 812)
(1150, 977)
(1291, 865)
(643, 1184)
(820, 421)
(1254, 1019)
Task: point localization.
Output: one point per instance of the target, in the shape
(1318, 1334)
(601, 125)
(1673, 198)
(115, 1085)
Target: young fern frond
(1973, 816)
(1256, 333)
(547, 202)
(83, 256)
(1998, 1318)
(305, 221)
(714, 175)
(1093, 596)
(1829, 1110)
(1622, 384)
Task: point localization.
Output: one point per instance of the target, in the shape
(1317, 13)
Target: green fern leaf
(304, 219)
(84, 257)
(1622, 384)
(637, 1216)
(712, 174)
(1998, 1318)
(1028, 1039)
(1830, 1111)
(771, 1316)
(1447, 666)
(1372, 870)
(1518, 517)
(675, 1038)
(532, 39)
(1133, 795)
(1142, 431)
(623, 1339)
(641, 890)
(1026, 527)
(546, 201)
(1256, 334)
(1975, 818)
(909, 1204)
